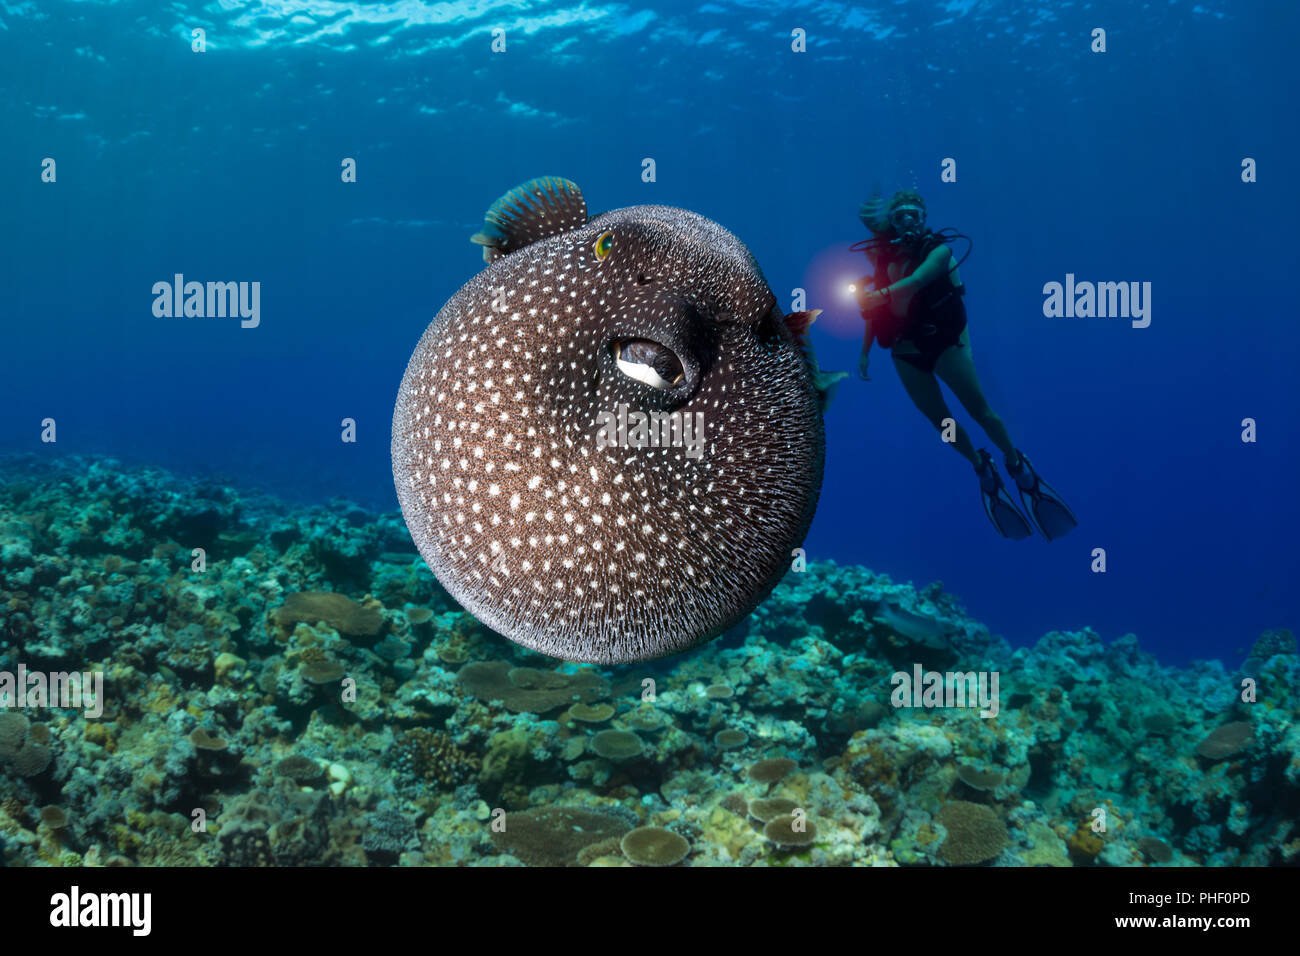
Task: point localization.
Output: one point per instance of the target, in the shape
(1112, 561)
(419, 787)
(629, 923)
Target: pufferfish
(543, 528)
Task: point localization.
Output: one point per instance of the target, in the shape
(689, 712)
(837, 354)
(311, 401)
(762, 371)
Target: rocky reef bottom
(195, 674)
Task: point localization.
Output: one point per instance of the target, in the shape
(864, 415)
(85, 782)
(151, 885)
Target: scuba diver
(915, 310)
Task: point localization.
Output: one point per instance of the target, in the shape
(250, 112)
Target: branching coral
(433, 757)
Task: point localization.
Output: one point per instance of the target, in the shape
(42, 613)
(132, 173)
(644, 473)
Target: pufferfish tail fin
(824, 383)
(539, 208)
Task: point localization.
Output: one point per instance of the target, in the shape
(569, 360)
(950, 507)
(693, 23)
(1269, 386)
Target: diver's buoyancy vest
(935, 297)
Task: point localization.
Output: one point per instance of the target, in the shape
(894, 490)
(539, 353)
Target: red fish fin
(799, 322)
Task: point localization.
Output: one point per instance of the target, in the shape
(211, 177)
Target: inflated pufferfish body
(515, 440)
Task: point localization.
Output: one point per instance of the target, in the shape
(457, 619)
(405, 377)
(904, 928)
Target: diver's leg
(923, 389)
(957, 368)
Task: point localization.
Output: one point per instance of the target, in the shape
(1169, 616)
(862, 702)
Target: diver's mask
(908, 221)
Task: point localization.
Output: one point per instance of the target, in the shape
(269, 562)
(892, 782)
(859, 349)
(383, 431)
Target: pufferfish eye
(604, 245)
(649, 362)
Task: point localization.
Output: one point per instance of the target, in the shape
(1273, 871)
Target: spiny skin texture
(608, 554)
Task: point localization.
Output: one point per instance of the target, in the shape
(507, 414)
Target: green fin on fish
(539, 208)
(826, 383)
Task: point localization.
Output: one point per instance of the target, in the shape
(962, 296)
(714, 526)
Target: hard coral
(13, 731)
(979, 779)
(1270, 643)
(418, 615)
(1156, 850)
(338, 611)
(553, 836)
(790, 832)
(772, 770)
(322, 672)
(1084, 845)
(244, 845)
(54, 817)
(386, 834)
(452, 654)
(591, 713)
(32, 760)
(617, 744)
(735, 803)
(433, 757)
(312, 654)
(1226, 740)
(1161, 723)
(648, 718)
(278, 827)
(530, 678)
(526, 690)
(730, 739)
(975, 833)
(299, 769)
(588, 854)
(767, 809)
(203, 740)
(655, 846)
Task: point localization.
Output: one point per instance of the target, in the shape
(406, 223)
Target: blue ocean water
(1118, 166)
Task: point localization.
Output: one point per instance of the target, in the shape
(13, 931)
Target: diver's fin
(539, 208)
(998, 505)
(1048, 510)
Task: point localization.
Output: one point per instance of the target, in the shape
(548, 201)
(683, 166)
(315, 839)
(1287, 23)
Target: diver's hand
(869, 300)
(863, 361)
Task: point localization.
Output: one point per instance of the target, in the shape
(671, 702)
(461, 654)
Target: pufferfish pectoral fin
(539, 208)
(824, 383)
(800, 322)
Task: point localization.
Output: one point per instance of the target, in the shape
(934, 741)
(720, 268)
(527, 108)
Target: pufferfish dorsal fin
(539, 208)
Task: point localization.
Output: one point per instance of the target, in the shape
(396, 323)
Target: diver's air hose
(946, 235)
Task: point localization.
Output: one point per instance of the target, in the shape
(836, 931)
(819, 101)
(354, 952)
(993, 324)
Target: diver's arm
(935, 264)
(900, 293)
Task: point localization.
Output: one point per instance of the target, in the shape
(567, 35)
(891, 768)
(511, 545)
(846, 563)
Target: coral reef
(304, 693)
